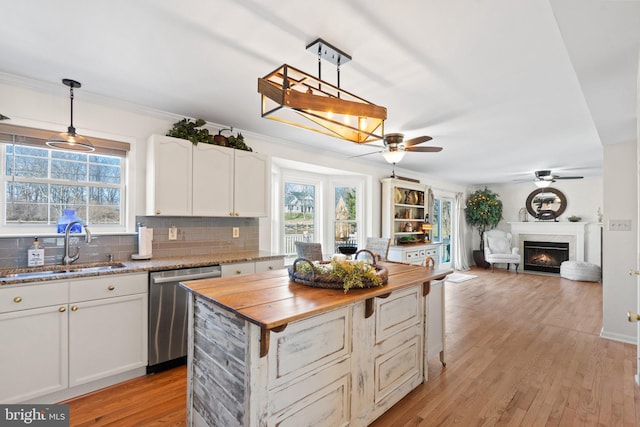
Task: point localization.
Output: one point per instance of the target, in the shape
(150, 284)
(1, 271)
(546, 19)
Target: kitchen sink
(39, 274)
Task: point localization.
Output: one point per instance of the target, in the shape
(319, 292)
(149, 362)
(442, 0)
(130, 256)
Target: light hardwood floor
(522, 350)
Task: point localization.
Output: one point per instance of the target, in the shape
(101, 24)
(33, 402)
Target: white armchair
(497, 248)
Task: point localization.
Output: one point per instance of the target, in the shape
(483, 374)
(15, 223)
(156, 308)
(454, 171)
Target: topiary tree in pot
(483, 211)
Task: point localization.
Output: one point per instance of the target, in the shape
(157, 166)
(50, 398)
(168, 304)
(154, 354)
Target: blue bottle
(68, 216)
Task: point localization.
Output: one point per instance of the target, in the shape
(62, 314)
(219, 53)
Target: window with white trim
(39, 183)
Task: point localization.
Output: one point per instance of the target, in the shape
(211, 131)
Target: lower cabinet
(106, 337)
(249, 267)
(96, 330)
(33, 353)
(414, 254)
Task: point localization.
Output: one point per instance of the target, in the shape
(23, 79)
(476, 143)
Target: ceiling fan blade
(424, 149)
(415, 141)
(567, 177)
(366, 154)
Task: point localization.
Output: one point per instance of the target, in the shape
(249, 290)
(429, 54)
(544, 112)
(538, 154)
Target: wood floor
(522, 350)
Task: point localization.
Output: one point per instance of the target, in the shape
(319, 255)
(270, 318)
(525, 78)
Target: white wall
(619, 293)
(584, 197)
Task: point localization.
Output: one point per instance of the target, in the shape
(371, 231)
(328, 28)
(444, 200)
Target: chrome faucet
(67, 259)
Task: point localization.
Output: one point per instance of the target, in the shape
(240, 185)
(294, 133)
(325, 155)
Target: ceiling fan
(395, 147)
(544, 178)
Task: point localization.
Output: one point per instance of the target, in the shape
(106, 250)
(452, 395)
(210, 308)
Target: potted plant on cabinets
(483, 211)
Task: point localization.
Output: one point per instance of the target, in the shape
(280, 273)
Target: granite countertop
(57, 271)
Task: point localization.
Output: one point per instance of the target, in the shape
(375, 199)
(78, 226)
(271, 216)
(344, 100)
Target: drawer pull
(74, 308)
(17, 299)
(62, 309)
(111, 287)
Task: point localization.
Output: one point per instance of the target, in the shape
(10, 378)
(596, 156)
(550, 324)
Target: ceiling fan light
(69, 140)
(542, 183)
(393, 157)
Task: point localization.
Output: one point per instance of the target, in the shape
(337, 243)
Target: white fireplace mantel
(551, 228)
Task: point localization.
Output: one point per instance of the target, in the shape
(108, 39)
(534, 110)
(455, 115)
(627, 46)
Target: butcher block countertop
(271, 301)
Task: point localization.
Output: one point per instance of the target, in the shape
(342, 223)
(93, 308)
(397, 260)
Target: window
(299, 215)
(346, 224)
(39, 183)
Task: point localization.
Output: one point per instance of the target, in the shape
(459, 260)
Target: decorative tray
(339, 274)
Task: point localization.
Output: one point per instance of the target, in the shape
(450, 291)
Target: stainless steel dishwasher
(168, 315)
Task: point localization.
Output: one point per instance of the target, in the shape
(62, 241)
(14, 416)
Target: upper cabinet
(404, 208)
(204, 180)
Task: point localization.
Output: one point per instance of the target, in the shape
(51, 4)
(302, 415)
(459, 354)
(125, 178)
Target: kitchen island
(265, 351)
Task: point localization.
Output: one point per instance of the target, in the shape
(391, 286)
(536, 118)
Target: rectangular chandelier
(294, 97)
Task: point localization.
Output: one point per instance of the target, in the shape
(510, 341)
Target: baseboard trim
(629, 339)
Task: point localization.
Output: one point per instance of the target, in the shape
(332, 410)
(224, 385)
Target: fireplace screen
(545, 256)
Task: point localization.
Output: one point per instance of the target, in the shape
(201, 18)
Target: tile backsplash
(196, 236)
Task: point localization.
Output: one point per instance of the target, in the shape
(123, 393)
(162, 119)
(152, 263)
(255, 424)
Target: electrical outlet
(236, 232)
(173, 232)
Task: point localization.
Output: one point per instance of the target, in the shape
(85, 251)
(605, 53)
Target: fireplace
(545, 256)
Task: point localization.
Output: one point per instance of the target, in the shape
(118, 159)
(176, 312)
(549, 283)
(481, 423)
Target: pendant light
(294, 97)
(69, 140)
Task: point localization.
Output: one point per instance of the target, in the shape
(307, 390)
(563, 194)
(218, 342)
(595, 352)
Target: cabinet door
(107, 337)
(169, 166)
(212, 180)
(251, 184)
(273, 264)
(237, 269)
(34, 353)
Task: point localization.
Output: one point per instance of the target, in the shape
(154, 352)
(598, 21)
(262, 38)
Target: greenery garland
(484, 211)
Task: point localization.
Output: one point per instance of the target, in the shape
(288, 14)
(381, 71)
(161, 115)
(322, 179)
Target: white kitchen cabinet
(414, 254)
(107, 327)
(248, 267)
(212, 180)
(65, 338)
(33, 353)
(237, 269)
(268, 265)
(169, 182)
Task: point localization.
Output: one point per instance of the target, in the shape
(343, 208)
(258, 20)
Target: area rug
(459, 277)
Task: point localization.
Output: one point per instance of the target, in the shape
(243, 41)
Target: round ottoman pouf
(579, 270)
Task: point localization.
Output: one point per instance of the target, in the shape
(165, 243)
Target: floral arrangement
(347, 274)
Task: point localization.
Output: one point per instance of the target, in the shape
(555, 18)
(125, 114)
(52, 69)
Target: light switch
(619, 225)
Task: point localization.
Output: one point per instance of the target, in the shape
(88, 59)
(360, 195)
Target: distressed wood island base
(264, 351)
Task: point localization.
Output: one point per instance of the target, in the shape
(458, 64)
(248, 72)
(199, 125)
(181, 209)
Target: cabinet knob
(17, 299)
(270, 267)
(230, 213)
(237, 214)
(158, 212)
(62, 309)
(74, 308)
(238, 272)
(111, 287)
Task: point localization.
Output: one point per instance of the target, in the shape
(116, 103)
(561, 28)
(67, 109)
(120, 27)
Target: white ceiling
(506, 87)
